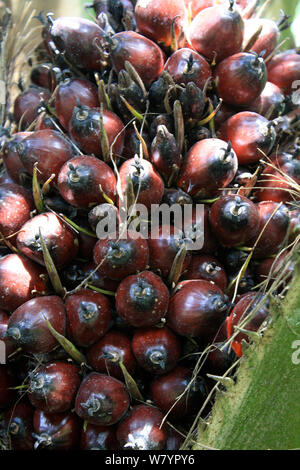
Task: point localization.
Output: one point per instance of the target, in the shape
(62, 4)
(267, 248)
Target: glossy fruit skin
(269, 268)
(268, 38)
(154, 19)
(98, 438)
(294, 229)
(142, 299)
(219, 359)
(7, 395)
(45, 76)
(49, 149)
(209, 165)
(82, 172)
(271, 98)
(123, 257)
(198, 308)
(146, 181)
(247, 132)
(89, 315)
(20, 281)
(84, 128)
(27, 105)
(140, 429)
(15, 207)
(276, 184)
(52, 387)
(207, 268)
(198, 5)
(9, 347)
(241, 310)
(45, 122)
(27, 325)
(275, 232)
(106, 354)
(157, 350)
(59, 238)
(100, 212)
(234, 220)
(68, 92)
(176, 196)
(217, 30)
(165, 389)
(240, 78)
(75, 37)
(284, 70)
(165, 154)
(146, 57)
(101, 399)
(186, 65)
(19, 422)
(57, 431)
(164, 244)
(12, 162)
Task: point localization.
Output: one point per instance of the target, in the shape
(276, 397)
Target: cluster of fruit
(109, 342)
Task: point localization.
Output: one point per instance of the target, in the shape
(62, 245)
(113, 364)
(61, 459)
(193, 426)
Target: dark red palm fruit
(9, 347)
(88, 315)
(45, 76)
(217, 32)
(274, 232)
(146, 181)
(192, 102)
(49, 149)
(247, 282)
(76, 37)
(27, 105)
(59, 238)
(7, 395)
(186, 65)
(19, 423)
(44, 122)
(270, 103)
(121, 257)
(52, 387)
(268, 37)
(57, 431)
(105, 356)
(157, 350)
(284, 70)
(76, 272)
(84, 172)
(209, 165)
(199, 223)
(142, 299)
(86, 243)
(69, 92)
(270, 268)
(146, 56)
(176, 196)
(20, 281)
(165, 154)
(142, 429)
(101, 399)
(95, 437)
(155, 19)
(224, 113)
(27, 327)
(276, 184)
(208, 268)
(174, 439)
(219, 359)
(164, 243)
(240, 78)
(234, 219)
(247, 303)
(247, 133)
(16, 205)
(84, 128)
(166, 389)
(132, 143)
(101, 212)
(198, 5)
(11, 159)
(197, 308)
(294, 229)
(161, 120)
(233, 259)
